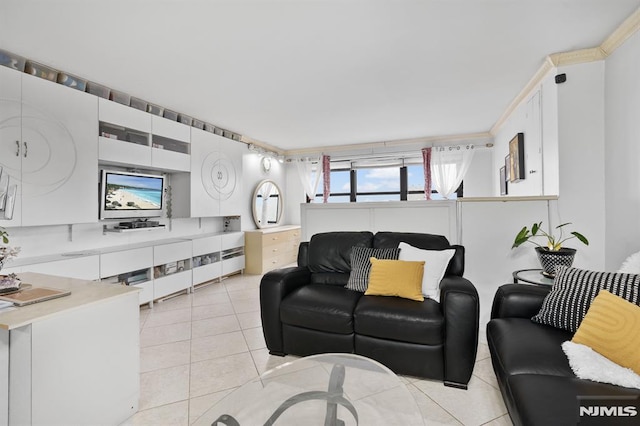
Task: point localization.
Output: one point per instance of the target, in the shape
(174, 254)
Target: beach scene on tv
(127, 192)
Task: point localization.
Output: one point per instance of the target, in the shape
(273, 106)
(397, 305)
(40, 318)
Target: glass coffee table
(327, 389)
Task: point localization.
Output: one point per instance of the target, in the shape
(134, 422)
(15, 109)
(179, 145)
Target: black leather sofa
(307, 310)
(536, 381)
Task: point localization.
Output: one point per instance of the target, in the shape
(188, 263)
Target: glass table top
(327, 389)
(532, 276)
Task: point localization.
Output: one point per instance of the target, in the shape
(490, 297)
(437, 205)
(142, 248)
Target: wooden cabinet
(49, 152)
(271, 248)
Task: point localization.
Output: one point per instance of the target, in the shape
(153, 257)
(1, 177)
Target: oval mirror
(267, 204)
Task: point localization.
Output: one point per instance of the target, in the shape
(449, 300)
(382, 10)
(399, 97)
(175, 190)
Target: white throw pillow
(590, 365)
(435, 265)
(631, 265)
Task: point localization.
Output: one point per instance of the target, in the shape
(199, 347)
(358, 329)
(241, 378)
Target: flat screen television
(127, 195)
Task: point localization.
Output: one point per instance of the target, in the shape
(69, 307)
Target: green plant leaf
(581, 237)
(522, 237)
(535, 227)
(564, 224)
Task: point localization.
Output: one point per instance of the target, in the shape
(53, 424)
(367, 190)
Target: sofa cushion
(400, 319)
(538, 399)
(611, 329)
(361, 265)
(332, 278)
(435, 265)
(399, 278)
(425, 242)
(573, 291)
(320, 307)
(331, 251)
(520, 346)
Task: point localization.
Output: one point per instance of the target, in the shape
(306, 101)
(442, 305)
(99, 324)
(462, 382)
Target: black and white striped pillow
(361, 265)
(573, 291)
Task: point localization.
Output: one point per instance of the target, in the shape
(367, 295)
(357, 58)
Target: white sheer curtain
(448, 166)
(309, 172)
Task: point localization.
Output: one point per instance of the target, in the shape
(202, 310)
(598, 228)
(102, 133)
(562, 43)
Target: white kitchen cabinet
(172, 268)
(50, 150)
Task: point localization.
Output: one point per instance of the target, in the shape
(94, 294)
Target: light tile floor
(196, 348)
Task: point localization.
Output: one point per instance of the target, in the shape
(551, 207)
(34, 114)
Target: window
(379, 184)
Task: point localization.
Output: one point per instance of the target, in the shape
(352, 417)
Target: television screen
(127, 195)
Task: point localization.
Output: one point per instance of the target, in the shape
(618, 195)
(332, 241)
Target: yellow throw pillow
(396, 278)
(610, 328)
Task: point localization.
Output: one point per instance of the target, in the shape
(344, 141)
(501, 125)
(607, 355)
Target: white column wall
(581, 159)
(622, 153)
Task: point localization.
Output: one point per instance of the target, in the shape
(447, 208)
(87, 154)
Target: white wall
(252, 175)
(622, 153)
(581, 158)
(479, 179)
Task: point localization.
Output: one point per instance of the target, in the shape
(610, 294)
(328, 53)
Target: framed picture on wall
(503, 180)
(516, 154)
(507, 167)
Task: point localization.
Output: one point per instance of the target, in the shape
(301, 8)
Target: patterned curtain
(326, 177)
(426, 167)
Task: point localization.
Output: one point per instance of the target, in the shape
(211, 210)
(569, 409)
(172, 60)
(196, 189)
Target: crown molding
(625, 30)
(546, 67)
(577, 56)
(249, 140)
(418, 142)
(629, 27)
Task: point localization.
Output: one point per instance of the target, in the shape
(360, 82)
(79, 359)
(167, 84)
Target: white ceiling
(313, 73)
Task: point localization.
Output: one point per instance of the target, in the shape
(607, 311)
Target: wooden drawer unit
(271, 248)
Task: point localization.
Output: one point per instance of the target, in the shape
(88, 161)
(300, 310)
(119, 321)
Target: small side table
(531, 276)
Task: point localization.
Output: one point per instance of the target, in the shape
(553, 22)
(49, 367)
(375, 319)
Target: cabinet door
(205, 198)
(229, 174)
(10, 137)
(60, 154)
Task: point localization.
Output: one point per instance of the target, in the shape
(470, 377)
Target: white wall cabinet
(53, 162)
(170, 142)
(232, 253)
(124, 134)
(214, 186)
(172, 268)
(129, 267)
(207, 262)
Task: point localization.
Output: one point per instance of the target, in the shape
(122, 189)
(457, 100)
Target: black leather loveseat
(307, 310)
(536, 381)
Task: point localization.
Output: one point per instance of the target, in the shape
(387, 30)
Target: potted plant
(553, 253)
(6, 252)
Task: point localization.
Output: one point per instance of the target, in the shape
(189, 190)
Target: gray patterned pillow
(573, 291)
(361, 265)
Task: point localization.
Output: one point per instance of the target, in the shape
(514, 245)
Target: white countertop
(83, 293)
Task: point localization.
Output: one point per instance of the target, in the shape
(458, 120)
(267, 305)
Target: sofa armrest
(518, 300)
(274, 287)
(460, 307)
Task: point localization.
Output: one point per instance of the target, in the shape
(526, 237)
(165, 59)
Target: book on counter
(34, 295)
